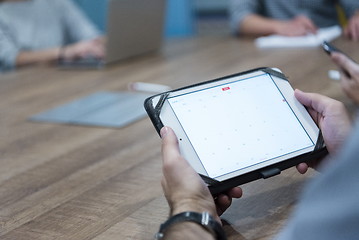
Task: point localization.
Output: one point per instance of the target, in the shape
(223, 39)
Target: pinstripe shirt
(321, 12)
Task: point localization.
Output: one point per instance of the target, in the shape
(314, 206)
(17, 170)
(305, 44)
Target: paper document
(310, 40)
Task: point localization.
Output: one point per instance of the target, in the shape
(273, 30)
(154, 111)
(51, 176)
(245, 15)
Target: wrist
(277, 27)
(195, 206)
(187, 230)
(192, 225)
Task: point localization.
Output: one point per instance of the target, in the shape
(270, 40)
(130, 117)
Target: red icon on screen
(225, 88)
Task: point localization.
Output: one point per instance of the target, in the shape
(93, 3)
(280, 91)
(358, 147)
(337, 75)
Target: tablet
(238, 128)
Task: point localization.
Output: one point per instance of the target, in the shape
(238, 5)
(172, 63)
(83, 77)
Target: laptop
(134, 28)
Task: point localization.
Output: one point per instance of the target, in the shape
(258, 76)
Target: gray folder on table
(102, 109)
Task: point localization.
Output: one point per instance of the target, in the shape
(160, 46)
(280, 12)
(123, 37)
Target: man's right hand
(332, 118)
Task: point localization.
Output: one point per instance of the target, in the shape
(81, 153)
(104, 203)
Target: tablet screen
(239, 124)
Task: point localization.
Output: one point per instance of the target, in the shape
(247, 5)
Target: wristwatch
(204, 219)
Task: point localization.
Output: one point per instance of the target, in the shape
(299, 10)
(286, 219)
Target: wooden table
(73, 182)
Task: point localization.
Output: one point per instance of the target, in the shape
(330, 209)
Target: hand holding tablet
(238, 128)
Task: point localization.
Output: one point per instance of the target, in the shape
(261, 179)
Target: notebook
(310, 40)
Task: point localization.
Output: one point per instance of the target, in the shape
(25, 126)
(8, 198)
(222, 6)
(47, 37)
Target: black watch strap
(204, 219)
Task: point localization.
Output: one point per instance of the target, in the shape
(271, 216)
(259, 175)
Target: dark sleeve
(349, 7)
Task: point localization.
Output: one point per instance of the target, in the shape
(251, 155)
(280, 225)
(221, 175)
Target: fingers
(345, 63)
(302, 168)
(170, 147)
(317, 102)
(307, 24)
(98, 48)
(352, 29)
(182, 186)
(236, 192)
(312, 100)
(94, 48)
(307, 102)
(223, 201)
(303, 98)
(320, 106)
(171, 156)
(173, 160)
(350, 78)
(347, 84)
(166, 151)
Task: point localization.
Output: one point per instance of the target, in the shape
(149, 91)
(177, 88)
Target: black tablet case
(215, 186)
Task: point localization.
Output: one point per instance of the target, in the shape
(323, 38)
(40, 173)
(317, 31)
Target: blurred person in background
(292, 17)
(43, 31)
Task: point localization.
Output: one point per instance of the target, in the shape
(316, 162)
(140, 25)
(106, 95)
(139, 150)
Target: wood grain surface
(73, 182)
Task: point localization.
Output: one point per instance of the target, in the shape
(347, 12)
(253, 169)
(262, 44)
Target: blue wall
(179, 16)
(96, 10)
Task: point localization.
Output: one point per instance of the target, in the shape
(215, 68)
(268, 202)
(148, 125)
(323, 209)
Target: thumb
(171, 156)
(317, 102)
(303, 98)
(169, 143)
